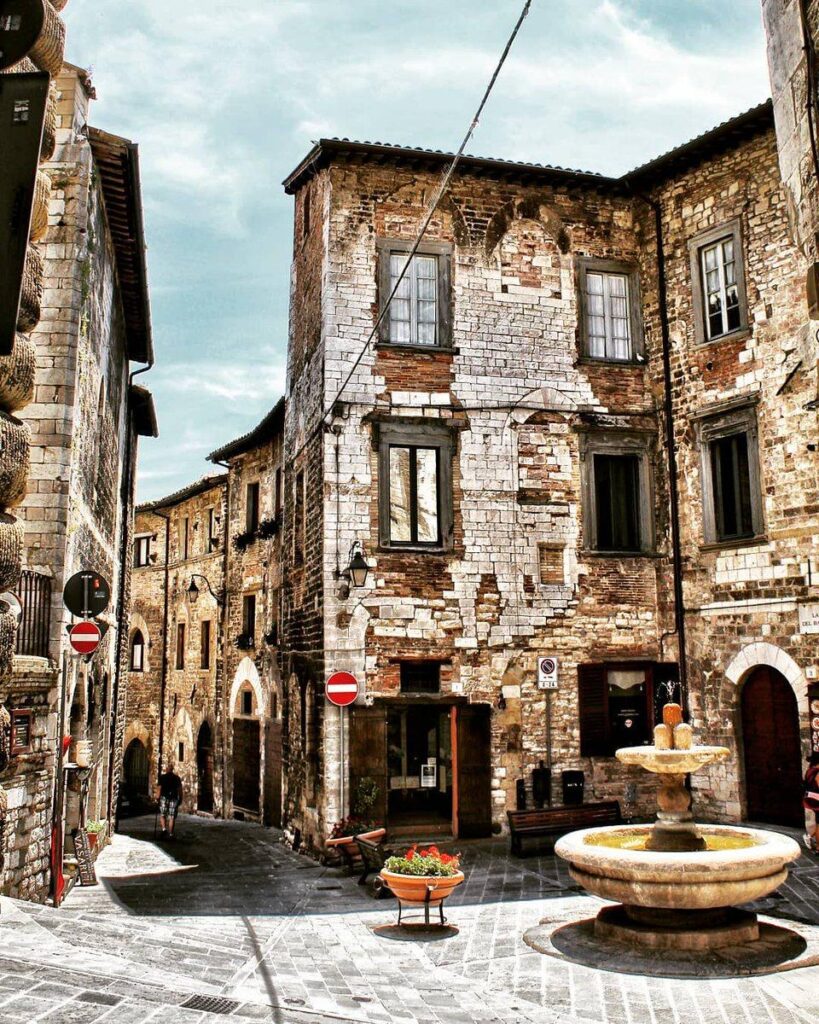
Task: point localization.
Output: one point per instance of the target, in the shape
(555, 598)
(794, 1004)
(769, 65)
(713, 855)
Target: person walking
(810, 801)
(169, 792)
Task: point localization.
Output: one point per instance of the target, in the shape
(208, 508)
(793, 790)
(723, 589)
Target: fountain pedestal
(674, 831)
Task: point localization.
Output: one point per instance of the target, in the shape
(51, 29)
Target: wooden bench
(373, 856)
(556, 821)
(346, 848)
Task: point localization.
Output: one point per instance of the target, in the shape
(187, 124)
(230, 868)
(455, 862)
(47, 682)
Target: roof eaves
(206, 483)
(267, 428)
(325, 149)
(118, 162)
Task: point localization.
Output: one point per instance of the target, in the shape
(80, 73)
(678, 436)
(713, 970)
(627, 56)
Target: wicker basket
(24, 66)
(47, 53)
(50, 125)
(39, 208)
(8, 637)
(15, 440)
(17, 376)
(58, 5)
(32, 291)
(11, 550)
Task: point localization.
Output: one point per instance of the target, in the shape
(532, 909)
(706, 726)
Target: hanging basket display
(47, 53)
(8, 636)
(15, 440)
(49, 125)
(39, 209)
(58, 5)
(17, 375)
(31, 292)
(11, 550)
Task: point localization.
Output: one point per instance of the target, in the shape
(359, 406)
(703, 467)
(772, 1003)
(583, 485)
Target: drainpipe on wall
(221, 705)
(163, 679)
(671, 448)
(126, 504)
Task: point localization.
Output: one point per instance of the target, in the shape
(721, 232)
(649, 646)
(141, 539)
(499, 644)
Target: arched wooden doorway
(772, 751)
(204, 768)
(135, 769)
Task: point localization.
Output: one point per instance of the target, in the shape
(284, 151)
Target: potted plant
(416, 873)
(96, 833)
(361, 822)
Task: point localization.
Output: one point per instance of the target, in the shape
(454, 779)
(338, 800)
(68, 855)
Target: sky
(224, 98)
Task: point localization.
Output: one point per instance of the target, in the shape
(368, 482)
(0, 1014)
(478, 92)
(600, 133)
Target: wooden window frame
(635, 443)
(632, 275)
(131, 666)
(142, 541)
(253, 498)
(17, 715)
(205, 644)
(181, 640)
(412, 435)
(213, 538)
(442, 251)
(696, 245)
(603, 746)
(710, 426)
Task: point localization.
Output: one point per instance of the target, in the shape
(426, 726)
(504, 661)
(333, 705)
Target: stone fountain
(677, 883)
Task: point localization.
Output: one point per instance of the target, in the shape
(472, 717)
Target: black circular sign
(87, 594)
(21, 22)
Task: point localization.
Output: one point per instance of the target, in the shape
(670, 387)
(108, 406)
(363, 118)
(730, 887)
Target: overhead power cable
(433, 206)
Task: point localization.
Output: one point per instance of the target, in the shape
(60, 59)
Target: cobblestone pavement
(227, 913)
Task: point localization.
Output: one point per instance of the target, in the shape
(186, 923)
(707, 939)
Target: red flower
(411, 853)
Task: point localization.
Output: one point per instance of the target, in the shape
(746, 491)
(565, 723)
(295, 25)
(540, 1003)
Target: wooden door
(368, 754)
(273, 774)
(204, 769)
(246, 764)
(772, 752)
(135, 769)
(474, 761)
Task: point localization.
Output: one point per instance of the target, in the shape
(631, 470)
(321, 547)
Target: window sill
(738, 335)
(622, 364)
(594, 553)
(742, 542)
(405, 346)
(412, 549)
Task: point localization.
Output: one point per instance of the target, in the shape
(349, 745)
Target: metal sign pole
(549, 731)
(342, 767)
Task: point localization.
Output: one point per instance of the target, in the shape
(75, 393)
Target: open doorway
(204, 769)
(419, 765)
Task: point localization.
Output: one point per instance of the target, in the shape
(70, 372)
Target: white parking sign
(547, 673)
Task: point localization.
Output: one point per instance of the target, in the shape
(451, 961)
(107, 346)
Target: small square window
(550, 558)
(420, 677)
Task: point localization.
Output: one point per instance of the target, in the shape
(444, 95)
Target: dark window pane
(617, 494)
(420, 677)
(732, 487)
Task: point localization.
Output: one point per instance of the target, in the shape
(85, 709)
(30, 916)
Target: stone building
(578, 434)
(85, 417)
(176, 662)
(253, 694)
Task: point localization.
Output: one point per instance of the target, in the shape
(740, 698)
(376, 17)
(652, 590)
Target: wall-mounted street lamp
(355, 574)
(193, 590)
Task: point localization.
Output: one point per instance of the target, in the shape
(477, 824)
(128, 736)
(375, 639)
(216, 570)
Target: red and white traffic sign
(341, 689)
(85, 637)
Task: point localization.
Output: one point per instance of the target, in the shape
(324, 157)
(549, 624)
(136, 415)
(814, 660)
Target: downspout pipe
(671, 446)
(163, 679)
(126, 504)
(222, 704)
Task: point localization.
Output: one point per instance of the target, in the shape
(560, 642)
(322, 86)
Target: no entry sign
(85, 637)
(341, 689)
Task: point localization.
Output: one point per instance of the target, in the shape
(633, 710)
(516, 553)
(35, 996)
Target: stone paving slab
(227, 910)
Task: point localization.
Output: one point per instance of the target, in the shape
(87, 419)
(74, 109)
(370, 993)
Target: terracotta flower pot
(413, 888)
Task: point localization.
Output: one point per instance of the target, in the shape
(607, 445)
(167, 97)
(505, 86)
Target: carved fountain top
(674, 751)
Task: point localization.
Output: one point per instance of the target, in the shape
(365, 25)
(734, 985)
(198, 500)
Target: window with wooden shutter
(594, 711)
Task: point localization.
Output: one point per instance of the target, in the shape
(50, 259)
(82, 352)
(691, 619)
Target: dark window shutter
(594, 711)
(445, 300)
(474, 771)
(383, 291)
(368, 754)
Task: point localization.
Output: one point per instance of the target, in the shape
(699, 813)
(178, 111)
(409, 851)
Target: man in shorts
(170, 795)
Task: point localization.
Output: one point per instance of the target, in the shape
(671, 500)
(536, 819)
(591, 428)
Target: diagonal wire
(438, 196)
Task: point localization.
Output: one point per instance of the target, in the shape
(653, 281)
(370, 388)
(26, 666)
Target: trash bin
(520, 793)
(574, 782)
(541, 785)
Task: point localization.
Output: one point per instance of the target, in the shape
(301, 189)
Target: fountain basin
(671, 762)
(693, 880)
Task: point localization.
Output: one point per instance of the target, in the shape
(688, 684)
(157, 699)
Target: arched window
(137, 652)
